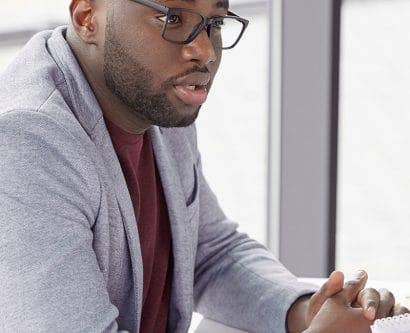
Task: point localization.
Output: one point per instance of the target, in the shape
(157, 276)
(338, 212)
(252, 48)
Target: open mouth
(191, 94)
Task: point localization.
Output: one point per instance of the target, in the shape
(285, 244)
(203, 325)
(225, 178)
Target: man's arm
(237, 280)
(51, 281)
(296, 320)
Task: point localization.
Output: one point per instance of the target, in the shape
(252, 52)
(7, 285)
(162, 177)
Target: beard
(133, 84)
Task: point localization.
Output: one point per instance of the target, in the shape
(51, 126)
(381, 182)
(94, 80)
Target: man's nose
(200, 50)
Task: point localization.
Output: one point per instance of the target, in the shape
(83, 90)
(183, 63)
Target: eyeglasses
(182, 26)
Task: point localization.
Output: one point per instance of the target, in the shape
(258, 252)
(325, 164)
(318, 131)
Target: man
(107, 222)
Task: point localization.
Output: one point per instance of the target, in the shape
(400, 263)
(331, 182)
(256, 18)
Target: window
(374, 163)
(232, 130)
(33, 16)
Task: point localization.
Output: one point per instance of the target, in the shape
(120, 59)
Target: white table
(400, 289)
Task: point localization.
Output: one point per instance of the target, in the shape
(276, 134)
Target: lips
(191, 95)
(191, 89)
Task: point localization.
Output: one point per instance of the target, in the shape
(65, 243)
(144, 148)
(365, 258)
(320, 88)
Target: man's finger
(400, 310)
(369, 300)
(331, 287)
(386, 305)
(353, 286)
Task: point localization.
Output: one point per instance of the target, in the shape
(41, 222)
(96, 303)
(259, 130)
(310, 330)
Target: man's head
(158, 81)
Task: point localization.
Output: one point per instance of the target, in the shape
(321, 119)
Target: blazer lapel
(103, 142)
(182, 286)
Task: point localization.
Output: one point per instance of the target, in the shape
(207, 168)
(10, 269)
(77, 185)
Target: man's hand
(374, 304)
(336, 315)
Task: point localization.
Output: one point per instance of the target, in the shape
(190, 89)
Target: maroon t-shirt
(136, 157)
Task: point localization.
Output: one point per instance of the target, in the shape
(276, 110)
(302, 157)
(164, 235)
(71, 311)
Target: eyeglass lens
(181, 25)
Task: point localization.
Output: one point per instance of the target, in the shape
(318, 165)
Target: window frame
(308, 112)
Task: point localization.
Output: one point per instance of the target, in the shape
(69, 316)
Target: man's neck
(112, 107)
(117, 112)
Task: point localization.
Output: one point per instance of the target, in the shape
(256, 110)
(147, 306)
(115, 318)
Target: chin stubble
(132, 84)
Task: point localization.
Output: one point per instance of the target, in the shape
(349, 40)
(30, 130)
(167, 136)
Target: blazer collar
(86, 109)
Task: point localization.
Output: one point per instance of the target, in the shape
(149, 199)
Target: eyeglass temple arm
(153, 5)
(244, 21)
(164, 9)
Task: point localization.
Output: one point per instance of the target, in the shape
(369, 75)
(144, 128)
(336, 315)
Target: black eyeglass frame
(205, 23)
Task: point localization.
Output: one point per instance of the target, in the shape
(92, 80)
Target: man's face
(153, 77)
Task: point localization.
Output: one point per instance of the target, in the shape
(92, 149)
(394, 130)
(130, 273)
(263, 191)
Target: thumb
(334, 284)
(331, 287)
(353, 286)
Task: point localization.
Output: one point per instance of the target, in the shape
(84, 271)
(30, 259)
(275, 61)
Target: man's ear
(85, 20)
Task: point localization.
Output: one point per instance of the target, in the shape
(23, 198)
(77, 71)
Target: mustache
(200, 69)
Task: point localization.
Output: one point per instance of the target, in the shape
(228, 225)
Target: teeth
(190, 87)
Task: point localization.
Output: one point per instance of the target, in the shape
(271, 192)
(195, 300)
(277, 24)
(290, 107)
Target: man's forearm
(296, 318)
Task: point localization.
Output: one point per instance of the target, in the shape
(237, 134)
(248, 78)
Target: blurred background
(304, 138)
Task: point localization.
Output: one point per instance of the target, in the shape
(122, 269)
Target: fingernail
(372, 312)
(359, 274)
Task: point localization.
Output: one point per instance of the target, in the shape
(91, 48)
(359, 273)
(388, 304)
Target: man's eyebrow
(190, 1)
(220, 4)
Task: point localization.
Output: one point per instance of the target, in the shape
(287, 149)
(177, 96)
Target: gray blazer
(70, 257)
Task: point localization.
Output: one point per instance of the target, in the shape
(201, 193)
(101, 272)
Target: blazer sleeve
(51, 281)
(238, 282)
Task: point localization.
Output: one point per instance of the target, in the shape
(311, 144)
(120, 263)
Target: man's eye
(218, 23)
(172, 19)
